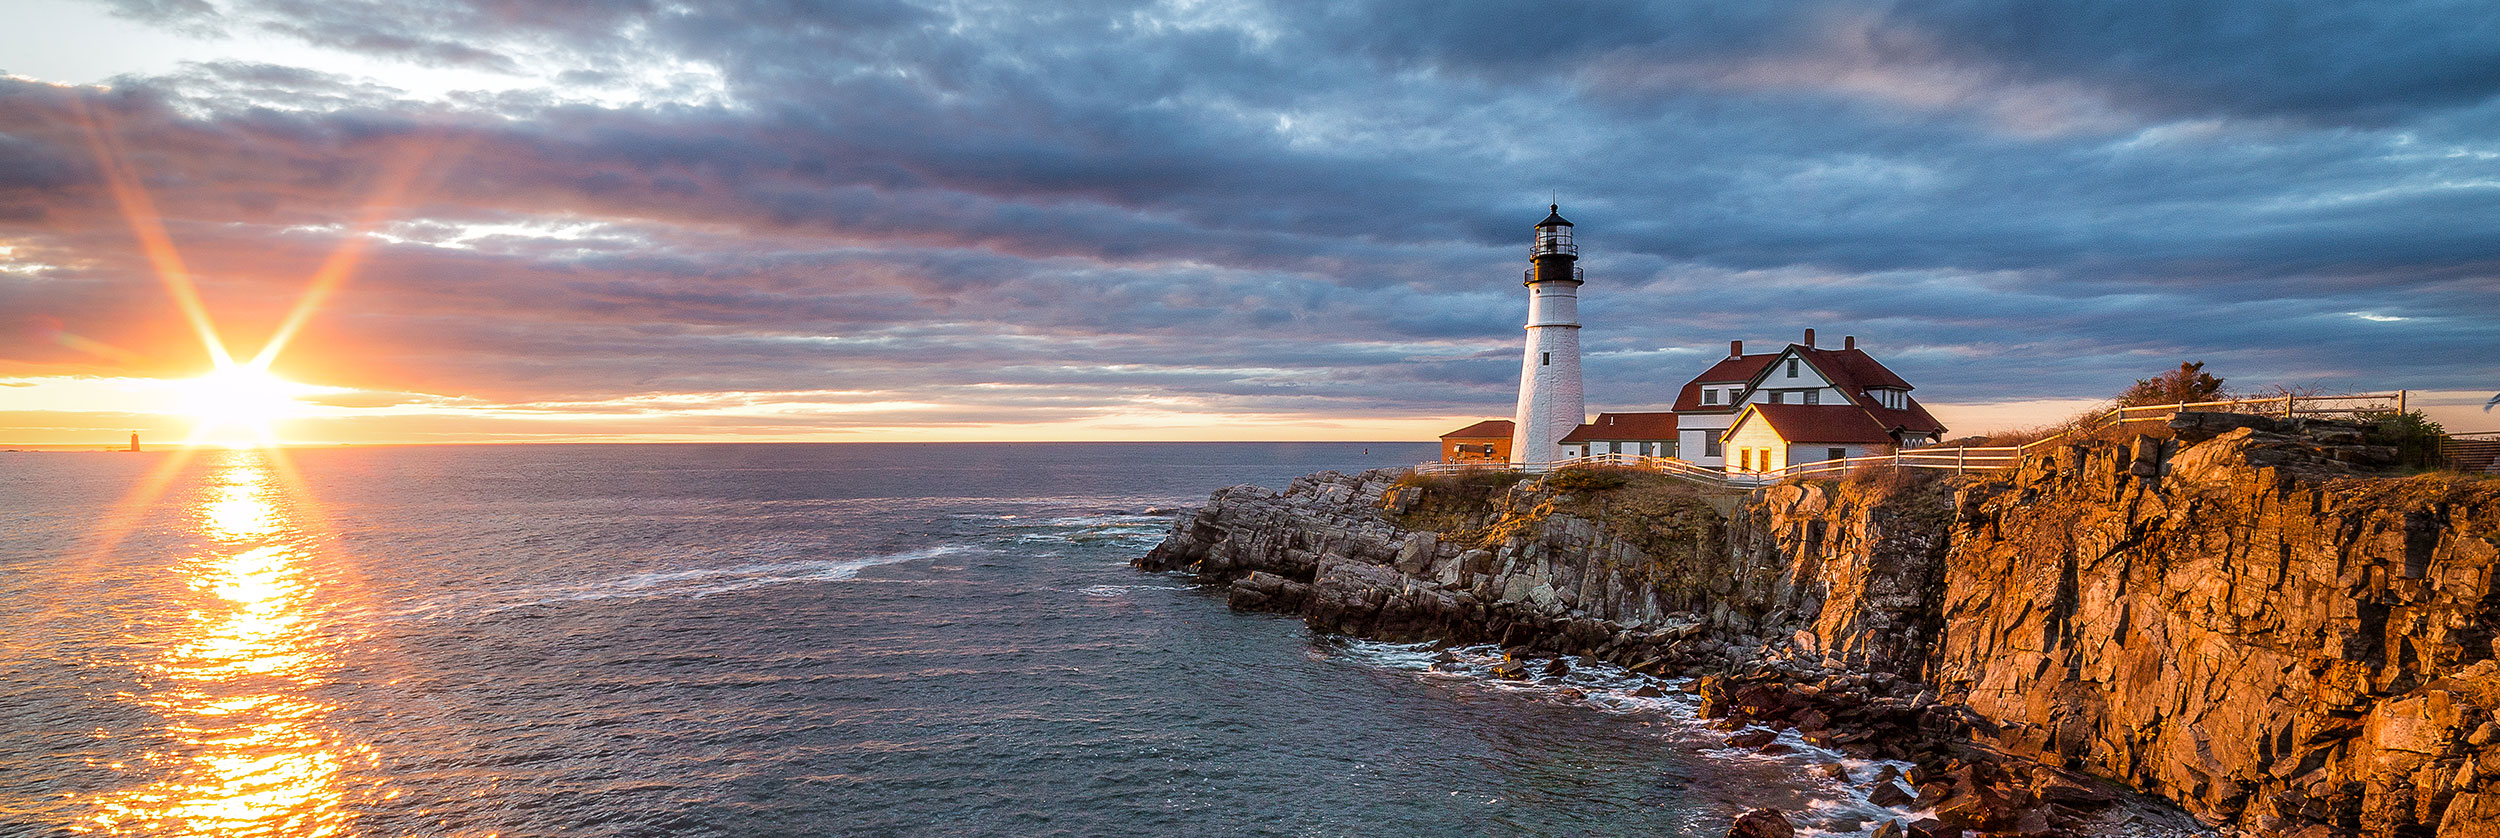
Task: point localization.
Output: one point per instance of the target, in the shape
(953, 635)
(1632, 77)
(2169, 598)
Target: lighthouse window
(1545, 359)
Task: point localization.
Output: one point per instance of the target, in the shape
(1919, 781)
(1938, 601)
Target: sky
(768, 220)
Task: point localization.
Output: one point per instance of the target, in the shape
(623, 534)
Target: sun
(241, 403)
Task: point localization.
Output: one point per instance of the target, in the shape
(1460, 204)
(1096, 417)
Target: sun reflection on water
(249, 749)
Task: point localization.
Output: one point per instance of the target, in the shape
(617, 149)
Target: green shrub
(1586, 480)
(2416, 437)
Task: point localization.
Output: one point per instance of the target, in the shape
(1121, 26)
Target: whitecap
(689, 583)
(1122, 590)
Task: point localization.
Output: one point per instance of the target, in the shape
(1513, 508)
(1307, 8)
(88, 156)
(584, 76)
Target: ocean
(761, 640)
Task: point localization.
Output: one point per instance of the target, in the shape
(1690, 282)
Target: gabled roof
(1487, 429)
(1853, 372)
(1818, 423)
(1852, 368)
(1623, 427)
(1736, 370)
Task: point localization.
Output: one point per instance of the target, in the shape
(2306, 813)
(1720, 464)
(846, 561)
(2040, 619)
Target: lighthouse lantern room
(1551, 402)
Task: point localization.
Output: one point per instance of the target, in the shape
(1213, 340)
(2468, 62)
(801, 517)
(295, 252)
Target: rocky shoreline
(2044, 644)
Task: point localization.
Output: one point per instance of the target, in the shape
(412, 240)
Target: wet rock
(1890, 795)
(1752, 738)
(1713, 692)
(1648, 691)
(1762, 823)
(1932, 828)
(1888, 829)
(1833, 771)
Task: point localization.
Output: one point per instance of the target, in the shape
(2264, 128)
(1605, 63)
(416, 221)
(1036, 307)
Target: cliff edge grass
(2246, 617)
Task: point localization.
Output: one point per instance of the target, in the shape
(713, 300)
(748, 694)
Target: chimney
(1848, 341)
(1809, 338)
(1610, 420)
(1736, 349)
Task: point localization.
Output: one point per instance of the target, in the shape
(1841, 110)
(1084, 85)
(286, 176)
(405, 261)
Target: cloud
(1062, 213)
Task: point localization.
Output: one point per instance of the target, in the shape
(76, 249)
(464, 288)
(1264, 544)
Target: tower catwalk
(1551, 403)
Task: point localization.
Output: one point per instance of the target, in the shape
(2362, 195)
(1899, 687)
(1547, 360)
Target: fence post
(2400, 402)
(1960, 456)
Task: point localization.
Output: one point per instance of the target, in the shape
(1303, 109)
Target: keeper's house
(1800, 404)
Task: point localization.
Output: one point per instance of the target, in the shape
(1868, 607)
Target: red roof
(1622, 427)
(1853, 369)
(1487, 429)
(1737, 370)
(1850, 370)
(1816, 423)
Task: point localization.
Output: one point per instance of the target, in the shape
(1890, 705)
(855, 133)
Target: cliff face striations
(2240, 619)
(2251, 633)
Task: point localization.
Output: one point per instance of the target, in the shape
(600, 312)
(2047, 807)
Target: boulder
(1932, 828)
(1754, 738)
(1890, 795)
(1762, 823)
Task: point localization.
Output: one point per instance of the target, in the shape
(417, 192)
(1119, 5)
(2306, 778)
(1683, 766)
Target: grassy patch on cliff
(1663, 516)
(1458, 506)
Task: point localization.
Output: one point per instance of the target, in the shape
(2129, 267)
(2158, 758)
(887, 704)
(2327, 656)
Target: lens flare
(242, 399)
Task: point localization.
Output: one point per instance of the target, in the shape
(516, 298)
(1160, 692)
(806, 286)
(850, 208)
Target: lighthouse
(1550, 400)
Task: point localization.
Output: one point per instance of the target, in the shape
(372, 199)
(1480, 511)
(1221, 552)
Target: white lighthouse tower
(1550, 400)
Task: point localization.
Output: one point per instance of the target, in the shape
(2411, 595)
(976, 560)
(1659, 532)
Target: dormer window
(1709, 396)
(1890, 398)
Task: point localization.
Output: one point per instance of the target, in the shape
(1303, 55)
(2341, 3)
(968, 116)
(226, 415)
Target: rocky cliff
(2244, 625)
(2241, 619)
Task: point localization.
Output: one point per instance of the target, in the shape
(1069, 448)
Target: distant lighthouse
(1550, 399)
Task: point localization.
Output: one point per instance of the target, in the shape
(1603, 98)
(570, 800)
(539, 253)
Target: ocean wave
(688, 583)
(1836, 806)
(1122, 590)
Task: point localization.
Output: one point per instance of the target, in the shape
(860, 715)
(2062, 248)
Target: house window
(1814, 397)
(1731, 395)
(1712, 447)
(1835, 453)
(1744, 459)
(1545, 359)
(1709, 396)
(1666, 449)
(1778, 396)
(1792, 368)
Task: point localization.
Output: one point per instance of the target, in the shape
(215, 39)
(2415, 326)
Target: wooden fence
(1958, 459)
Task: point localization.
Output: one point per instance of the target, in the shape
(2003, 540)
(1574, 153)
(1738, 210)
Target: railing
(1528, 277)
(1959, 459)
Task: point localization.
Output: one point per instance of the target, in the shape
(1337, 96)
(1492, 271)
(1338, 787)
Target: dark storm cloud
(1310, 206)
